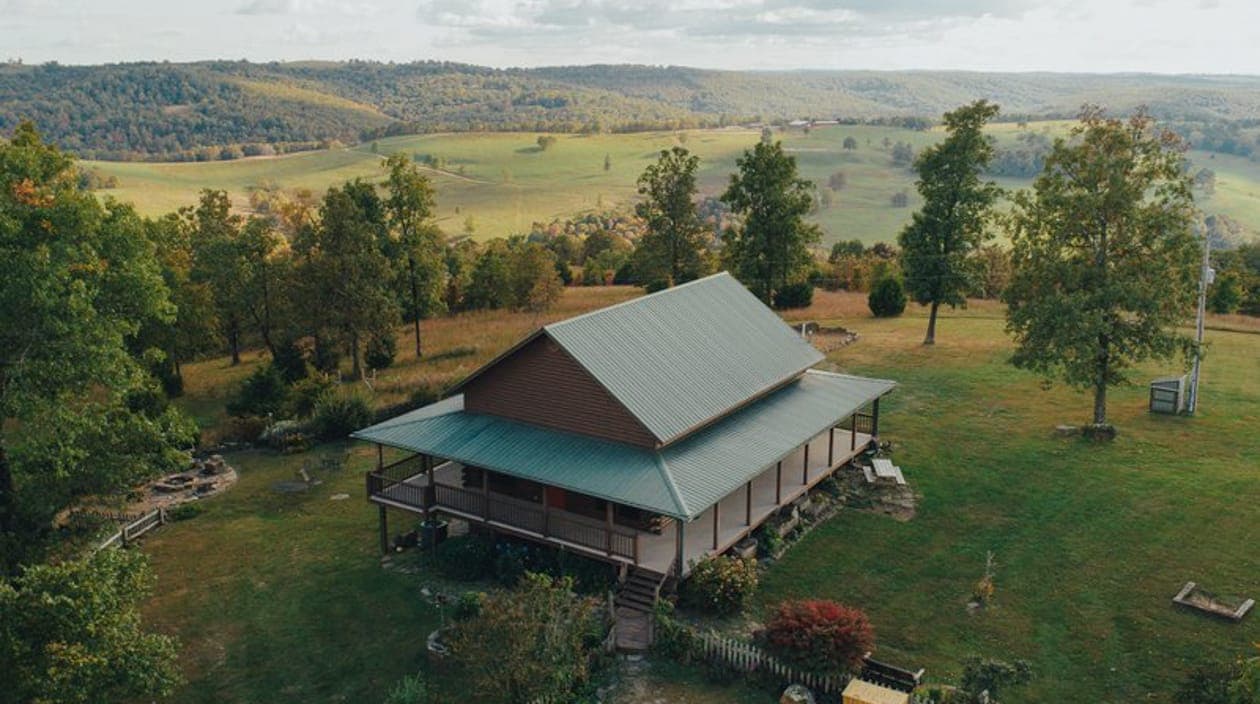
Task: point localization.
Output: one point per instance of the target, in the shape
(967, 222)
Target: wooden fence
(748, 658)
(135, 529)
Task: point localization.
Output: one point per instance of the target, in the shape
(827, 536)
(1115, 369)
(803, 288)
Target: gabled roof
(681, 358)
(681, 480)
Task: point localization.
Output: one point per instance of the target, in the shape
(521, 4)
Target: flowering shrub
(720, 585)
(819, 635)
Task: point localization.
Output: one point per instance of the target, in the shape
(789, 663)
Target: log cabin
(649, 434)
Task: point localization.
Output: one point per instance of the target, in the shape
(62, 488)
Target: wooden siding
(541, 384)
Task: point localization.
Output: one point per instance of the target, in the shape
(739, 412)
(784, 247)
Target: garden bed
(1195, 597)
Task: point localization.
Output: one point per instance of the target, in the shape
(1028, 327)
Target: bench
(885, 469)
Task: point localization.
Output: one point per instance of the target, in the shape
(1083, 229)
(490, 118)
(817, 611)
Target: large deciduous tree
(769, 247)
(345, 275)
(1105, 258)
(80, 282)
(670, 251)
(417, 241)
(70, 633)
(937, 245)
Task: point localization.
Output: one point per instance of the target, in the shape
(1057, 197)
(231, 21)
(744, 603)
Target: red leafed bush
(819, 635)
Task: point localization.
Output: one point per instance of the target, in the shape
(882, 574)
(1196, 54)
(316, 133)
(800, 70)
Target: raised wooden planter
(1195, 597)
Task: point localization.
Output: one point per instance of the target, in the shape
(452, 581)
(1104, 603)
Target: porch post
(485, 494)
(778, 483)
(608, 515)
(748, 504)
(831, 446)
(805, 466)
(875, 420)
(427, 463)
(380, 457)
(853, 432)
(679, 539)
(384, 531)
(546, 531)
(717, 521)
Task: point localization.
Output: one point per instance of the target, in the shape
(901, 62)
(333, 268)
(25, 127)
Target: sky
(1157, 36)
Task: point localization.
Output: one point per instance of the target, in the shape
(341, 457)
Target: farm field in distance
(504, 182)
(1091, 541)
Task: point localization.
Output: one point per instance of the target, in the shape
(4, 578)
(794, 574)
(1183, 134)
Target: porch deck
(712, 532)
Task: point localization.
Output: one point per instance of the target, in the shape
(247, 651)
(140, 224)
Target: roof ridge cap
(636, 299)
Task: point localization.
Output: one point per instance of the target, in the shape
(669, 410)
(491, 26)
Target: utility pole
(1206, 276)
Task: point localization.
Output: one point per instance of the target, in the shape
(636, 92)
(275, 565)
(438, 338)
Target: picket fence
(748, 658)
(135, 529)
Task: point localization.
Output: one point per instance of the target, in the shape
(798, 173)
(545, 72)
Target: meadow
(505, 182)
(280, 597)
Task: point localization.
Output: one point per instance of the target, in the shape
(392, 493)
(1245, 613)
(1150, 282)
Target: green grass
(1091, 541)
(508, 183)
(281, 598)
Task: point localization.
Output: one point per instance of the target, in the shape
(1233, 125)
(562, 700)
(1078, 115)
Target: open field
(280, 597)
(505, 183)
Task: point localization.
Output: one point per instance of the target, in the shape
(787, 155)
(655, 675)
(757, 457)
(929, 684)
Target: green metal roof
(681, 480)
(682, 357)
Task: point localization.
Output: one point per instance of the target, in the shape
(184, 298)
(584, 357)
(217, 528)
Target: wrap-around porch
(604, 529)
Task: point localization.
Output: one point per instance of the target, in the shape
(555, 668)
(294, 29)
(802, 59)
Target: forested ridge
(223, 110)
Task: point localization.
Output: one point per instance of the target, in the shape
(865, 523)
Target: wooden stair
(635, 601)
(639, 591)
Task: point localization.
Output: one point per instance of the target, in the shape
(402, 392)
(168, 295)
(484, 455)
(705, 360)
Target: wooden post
(485, 494)
(608, 515)
(680, 539)
(546, 531)
(875, 419)
(805, 466)
(853, 432)
(380, 457)
(717, 521)
(426, 463)
(778, 483)
(748, 504)
(831, 446)
(384, 531)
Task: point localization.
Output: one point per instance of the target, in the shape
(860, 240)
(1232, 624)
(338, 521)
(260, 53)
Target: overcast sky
(1165, 36)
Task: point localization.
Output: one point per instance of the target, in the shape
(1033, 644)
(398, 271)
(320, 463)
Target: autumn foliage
(819, 635)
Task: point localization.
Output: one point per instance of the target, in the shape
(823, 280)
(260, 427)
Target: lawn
(279, 597)
(505, 182)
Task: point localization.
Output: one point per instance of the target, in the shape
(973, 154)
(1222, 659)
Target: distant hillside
(214, 110)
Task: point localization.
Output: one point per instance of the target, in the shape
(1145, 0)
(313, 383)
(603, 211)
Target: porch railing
(508, 511)
(860, 421)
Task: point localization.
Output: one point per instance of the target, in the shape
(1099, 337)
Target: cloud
(353, 8)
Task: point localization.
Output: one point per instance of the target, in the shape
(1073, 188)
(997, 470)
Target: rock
(339, 497)
(797, 694)
(1066, 431)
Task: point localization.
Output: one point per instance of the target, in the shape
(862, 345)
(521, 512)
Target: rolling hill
(192, 111)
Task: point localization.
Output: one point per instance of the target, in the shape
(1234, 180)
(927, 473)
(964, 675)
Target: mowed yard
(280, 597)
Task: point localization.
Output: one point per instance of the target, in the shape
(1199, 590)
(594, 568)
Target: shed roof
(681, 480)
(683, 357)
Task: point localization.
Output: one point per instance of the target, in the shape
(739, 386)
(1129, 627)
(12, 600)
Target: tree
(1105, 260)
(80, 282)
(670, 251)
(1226, 294)
(767, 136)
(938, 243)
(899, 199)
(850, 248)
(607, 162)
(489, 281)
(770, 246)
(409, 207)
(533, 282)
(530, 644)
(902, 154)
(887, 298)
(266, 271)
(219, 262)
(344, 271)
(837, 181)
(850, 143)
(545, 142)
(71, 632)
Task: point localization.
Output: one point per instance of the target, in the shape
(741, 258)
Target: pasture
(281, 598)
(505, 182)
